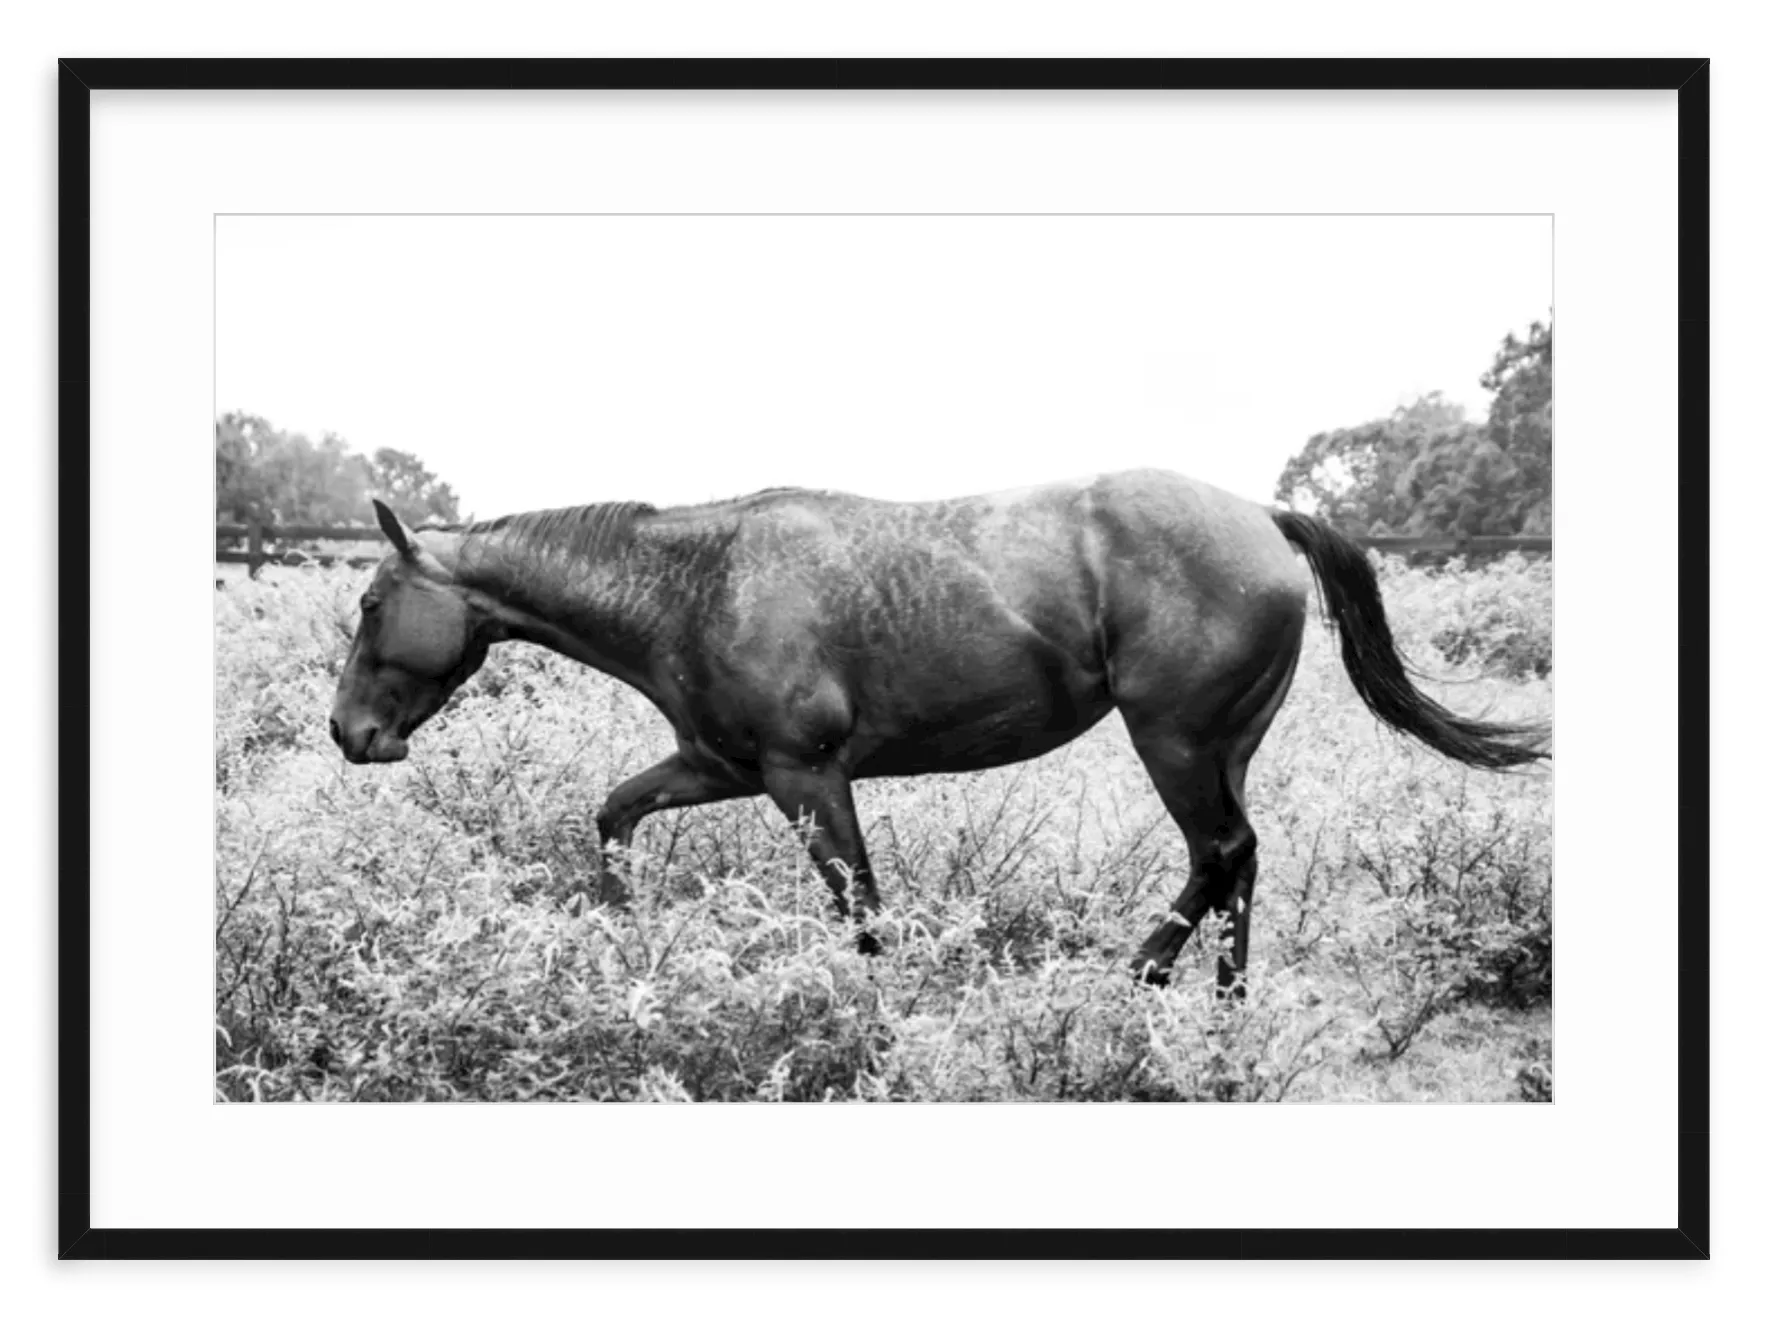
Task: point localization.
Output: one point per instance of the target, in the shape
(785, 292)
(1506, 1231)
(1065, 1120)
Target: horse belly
(956, 725)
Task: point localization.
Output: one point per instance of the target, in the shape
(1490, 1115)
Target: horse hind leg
(1201, 791)
(1235, 930)
(1202, 786)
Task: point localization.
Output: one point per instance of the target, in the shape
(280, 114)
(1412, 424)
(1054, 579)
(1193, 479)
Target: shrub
(414, 932)
(1496, 616)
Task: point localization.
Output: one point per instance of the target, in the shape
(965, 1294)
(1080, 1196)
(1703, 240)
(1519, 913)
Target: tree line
(266, 475)
(1427, 470)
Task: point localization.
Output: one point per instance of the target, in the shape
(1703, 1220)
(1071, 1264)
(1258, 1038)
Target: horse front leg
(818, 799)
(673, 782)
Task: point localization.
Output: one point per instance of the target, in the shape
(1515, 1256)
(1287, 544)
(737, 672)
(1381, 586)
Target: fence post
(255, 546)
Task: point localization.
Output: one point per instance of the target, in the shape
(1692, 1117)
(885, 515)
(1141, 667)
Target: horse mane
(592, 528)
(561, 564)
(586, 533)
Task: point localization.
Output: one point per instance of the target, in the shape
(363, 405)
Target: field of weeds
(411, 932)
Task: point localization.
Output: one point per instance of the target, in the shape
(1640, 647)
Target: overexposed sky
(543, 361)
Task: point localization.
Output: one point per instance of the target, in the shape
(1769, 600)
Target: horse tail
(1352, 593)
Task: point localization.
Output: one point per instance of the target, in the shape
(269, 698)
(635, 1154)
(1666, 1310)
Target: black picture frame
(1689, 1238)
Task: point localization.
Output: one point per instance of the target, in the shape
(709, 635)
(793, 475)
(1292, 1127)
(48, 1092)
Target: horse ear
(399, 535)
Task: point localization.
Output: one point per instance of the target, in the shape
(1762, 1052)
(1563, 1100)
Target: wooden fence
(262, 545)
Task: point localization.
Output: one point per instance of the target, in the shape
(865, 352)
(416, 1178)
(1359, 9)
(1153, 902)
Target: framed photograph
(933, 659)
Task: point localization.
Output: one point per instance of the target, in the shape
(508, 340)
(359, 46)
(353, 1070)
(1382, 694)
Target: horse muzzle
(368, 743)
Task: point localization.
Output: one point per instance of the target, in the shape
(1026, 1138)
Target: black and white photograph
(878, 660)
(884, 658)
(898, 661)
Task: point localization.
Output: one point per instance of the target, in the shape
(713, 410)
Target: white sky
(543, 361)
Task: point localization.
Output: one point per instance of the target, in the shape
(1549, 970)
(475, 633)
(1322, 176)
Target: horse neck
(604, 609)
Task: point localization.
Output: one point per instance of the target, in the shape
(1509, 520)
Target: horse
(798, 641)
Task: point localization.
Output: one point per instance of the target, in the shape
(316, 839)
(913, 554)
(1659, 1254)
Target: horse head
(419, 639)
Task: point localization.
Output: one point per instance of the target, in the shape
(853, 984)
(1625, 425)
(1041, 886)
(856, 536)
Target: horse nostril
(338, 737)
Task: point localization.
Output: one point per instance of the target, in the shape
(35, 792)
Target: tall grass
(415, 931)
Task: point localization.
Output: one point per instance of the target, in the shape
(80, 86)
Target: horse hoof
(1148, 972)
(867, 944)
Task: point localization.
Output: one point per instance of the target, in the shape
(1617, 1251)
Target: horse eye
(368, 603)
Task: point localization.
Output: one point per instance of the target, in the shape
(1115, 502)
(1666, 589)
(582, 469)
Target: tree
(265, 475)
(1427, 470)
(404, 482)
(1370, 479)
(1521, 421)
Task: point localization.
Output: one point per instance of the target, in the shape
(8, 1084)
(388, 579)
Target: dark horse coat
(798, 641)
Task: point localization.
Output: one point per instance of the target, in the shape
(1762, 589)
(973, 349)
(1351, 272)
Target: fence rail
(1468, 545)
(256, 554)
(260, 539)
